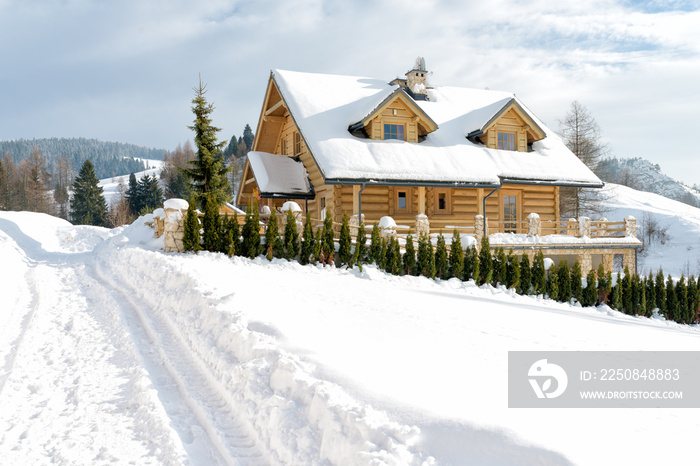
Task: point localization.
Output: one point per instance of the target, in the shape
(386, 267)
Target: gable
(397, 108)
(271, 121)
(512, 118)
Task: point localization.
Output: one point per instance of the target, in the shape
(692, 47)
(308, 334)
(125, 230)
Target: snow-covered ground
(112, 351)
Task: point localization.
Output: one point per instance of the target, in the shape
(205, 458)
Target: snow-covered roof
(280, 176)
(324, 106)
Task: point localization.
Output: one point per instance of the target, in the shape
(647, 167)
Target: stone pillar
(355, 224)
(631, 227)
(534, 225)
(479, 229)
(628, 260)
(608, 262)
(387, 227)
(422, 225)
(584, 226)
(586, 262)
(174, 224)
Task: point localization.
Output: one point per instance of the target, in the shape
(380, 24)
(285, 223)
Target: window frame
(516, 226)
(297, 144)
(448, 201)
(397, 125)
(499, 140)
(409, 200)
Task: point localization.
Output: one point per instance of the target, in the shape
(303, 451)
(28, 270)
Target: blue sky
(124, 70)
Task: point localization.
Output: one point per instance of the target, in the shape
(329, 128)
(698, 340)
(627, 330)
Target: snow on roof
(324, 106)
(279, 175)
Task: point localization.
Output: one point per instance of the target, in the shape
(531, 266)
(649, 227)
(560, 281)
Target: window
(392, 131)
(510, 214)
(322, 207)
(506, 141)
(284, 147)
(297, 144)
(443, 202)
(402, 204)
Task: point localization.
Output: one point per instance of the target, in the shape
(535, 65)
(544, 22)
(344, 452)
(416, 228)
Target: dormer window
(392, 131)
(506, 140)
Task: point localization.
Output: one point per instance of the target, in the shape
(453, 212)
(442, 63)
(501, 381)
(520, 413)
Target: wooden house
(446, 155)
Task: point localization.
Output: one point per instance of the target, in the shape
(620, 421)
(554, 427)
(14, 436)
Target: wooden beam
(274, 107)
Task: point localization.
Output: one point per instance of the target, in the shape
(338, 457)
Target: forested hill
(109, 158)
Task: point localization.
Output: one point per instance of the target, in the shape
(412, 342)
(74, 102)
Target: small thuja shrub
(650, 293)
(616, 296)
(660, 291)
(232, 235)
(291, 236)
(360, 254)
(498, 275)
(250, 245)
(409, 257)
(471, 264)
(190, 239)
(272, 237)
(426, 259)
(590, 293)
(345, 243)
(564, 282)
(375, 245)
(441, 264)
(539, 277)
(604, 286)
(626, 290)
(512, 271)
(693, 304)
(682, 298)
(552, 284)
(456, 258)
(307, 255)
(485, 262)
(210, 224)
(641, 296)
(576, 282)
(525, 275)
(393, 257)
(327, 243)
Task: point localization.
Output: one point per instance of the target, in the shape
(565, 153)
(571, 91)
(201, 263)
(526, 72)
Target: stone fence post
(572, 227)
(584, 226)
(174, 224)
(631, 226)
(387, 227)
(534, 225)
(355, 225)
(422, 225)
(479, 229)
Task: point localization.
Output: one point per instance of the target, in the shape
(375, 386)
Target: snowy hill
(639, 173)
(112, 351)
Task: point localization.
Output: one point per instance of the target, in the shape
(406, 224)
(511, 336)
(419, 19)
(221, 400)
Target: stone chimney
(416, 80)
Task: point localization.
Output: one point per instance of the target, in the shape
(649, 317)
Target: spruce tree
(441, 263)
(471, 264)
(132, 195)
(375, 245)
(590, 293)
(272, 237)
(660, 291)
(210, 224)
(88, 206)
(539, 277)
(307, 245)
(291, 237)
(485, 262)
(671, 300)
(456, 258)
(190, 239)
(564, 281)
(207, 172)
(345, 243)
(512, 271)
(576, 285)
(525, 275)
(409, 257)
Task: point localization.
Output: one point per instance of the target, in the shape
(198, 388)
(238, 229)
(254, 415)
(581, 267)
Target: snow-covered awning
(279, 176)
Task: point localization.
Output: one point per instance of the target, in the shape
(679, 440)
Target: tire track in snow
(184, 381)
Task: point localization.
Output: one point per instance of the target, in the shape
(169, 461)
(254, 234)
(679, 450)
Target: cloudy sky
(124, 70)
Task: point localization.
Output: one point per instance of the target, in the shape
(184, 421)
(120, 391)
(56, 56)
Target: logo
(546, 372)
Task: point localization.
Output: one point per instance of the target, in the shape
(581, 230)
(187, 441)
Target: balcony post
(534, 225)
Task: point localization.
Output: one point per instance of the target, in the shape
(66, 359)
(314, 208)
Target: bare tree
(38, 183)
(63, 178)
(581, 134)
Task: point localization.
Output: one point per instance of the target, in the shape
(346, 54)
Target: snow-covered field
(110, 186)
(112, 351)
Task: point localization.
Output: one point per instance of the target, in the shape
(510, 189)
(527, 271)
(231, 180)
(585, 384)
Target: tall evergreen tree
(552, 284)
(426, 258)
(682, 298)
(132, 195)
(626, 290)
(441, 263)
(671, 300)
(150, 194)
(604, 285)
(539, 276)
(230, 236)
(456, 258)
(88, 206)
(328, 244)
(190, 239)
(250, 245)
(210, 224)
(660, 289)
(616, 299)
(564, 281)
(360, 254)
(590, 293)
(512, 271)
(375, 245)
(498, 276)
(650, 293)
(693, 300)
(471, 264)
(409, 257)
(345, 242)
(207, 171)
(248, 138)
(272, 237)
